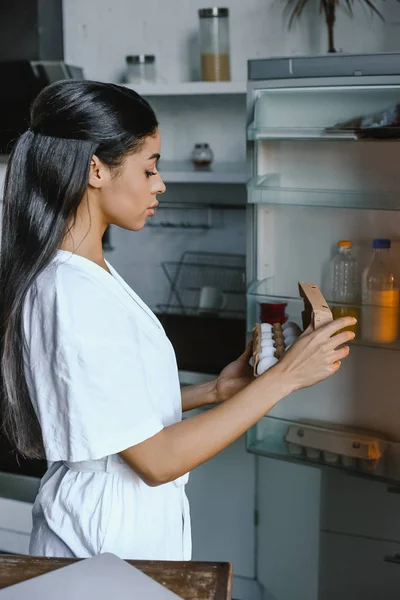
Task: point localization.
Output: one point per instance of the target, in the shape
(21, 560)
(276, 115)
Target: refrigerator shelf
(298, 133)
(383, 134)
(266, 190)
(259, 291)
(363, 453)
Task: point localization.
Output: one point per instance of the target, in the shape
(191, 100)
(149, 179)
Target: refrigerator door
(324, 153)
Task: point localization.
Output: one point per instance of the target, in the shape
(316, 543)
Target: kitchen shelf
(266, 190)
(276, 438)
(186, 172)
(189, 88)
(258, 291)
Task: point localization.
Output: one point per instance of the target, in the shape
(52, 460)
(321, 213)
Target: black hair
(46, 180)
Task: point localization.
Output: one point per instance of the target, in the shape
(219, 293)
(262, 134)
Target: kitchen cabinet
(15, 526)
(17, 494)
(354, 568)
(222, 495)
(288, 527)
(359, 507)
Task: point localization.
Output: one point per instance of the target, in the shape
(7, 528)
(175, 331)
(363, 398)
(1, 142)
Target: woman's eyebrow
(155, 155)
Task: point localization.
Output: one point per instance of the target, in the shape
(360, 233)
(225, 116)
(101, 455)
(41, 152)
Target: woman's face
(129, 198)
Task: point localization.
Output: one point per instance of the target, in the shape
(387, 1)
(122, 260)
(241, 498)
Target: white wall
(100, 33)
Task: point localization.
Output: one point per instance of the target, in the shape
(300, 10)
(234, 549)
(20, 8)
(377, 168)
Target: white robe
(102, 377)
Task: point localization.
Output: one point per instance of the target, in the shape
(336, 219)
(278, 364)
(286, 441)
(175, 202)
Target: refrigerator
(328, 457)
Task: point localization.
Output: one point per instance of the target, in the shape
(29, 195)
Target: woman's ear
(98, 173)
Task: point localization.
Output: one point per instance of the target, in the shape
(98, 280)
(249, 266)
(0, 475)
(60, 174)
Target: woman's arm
(232, 379)
(181, 447)
(195, 396)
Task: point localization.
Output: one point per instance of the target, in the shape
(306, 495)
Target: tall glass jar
(214, 44)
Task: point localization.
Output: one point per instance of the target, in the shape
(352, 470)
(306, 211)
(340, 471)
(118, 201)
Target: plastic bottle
(380, 296)
(345, 283)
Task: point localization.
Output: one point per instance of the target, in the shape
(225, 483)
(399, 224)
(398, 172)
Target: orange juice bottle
(380, 296)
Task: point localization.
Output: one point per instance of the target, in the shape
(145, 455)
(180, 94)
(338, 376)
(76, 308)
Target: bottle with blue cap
(380, 296)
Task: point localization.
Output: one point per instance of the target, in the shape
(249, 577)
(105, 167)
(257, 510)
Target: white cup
(211, 300)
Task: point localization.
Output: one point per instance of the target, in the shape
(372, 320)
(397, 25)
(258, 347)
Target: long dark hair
(46, 179)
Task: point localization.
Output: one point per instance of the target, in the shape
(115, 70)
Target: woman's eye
(150, 173)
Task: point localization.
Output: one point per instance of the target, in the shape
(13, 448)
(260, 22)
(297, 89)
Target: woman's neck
(84, 237)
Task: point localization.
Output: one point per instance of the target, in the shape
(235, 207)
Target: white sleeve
(90, 383)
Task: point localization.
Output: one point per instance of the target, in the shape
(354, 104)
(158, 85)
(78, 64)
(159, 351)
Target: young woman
(89, 378)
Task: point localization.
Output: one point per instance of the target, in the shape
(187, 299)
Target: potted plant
(294, 10)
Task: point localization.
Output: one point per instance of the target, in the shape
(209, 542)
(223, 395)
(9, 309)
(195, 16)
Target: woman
(89, 377)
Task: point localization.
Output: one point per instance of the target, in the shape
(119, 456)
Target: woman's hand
(236, 376)
(315, 356)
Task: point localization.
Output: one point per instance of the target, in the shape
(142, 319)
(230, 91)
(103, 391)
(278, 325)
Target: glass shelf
(367, 454)
(186, 172)
(266, 190)
(383, 134)
(255, 133)
(259, 291)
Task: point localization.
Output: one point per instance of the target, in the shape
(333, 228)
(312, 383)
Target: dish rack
(195, 270)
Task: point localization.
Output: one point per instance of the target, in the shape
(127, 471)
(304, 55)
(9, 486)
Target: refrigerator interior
(310, 187)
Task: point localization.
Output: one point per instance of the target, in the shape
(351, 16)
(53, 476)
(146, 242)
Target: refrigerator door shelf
(259, 292)
(267, 190)
(360, 452)
(343, 443)
(317, 109)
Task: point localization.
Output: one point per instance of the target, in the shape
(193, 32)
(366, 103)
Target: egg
(313, 453)
(290, 340)
(267, 343)
(331, 457)
(293, 327)
(266, 328)
(266, 336)
(289, 332)
(266, 363)
(269, 351)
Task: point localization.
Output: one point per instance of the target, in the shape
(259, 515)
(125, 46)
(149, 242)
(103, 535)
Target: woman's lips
(151, 209)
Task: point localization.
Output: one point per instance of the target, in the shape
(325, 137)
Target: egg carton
(270, 341)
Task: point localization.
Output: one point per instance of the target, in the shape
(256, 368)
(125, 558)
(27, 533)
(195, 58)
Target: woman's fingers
(341, 338)
(335, 326)
(248, 351)
(340, 354)
(336, 366)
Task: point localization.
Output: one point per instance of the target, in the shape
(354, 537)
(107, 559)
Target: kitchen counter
(190, 580)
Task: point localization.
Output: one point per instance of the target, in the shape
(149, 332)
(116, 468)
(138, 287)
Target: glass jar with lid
(140, 68)
(214, 44)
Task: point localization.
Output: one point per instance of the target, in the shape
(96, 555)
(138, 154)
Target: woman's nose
(159, 187)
